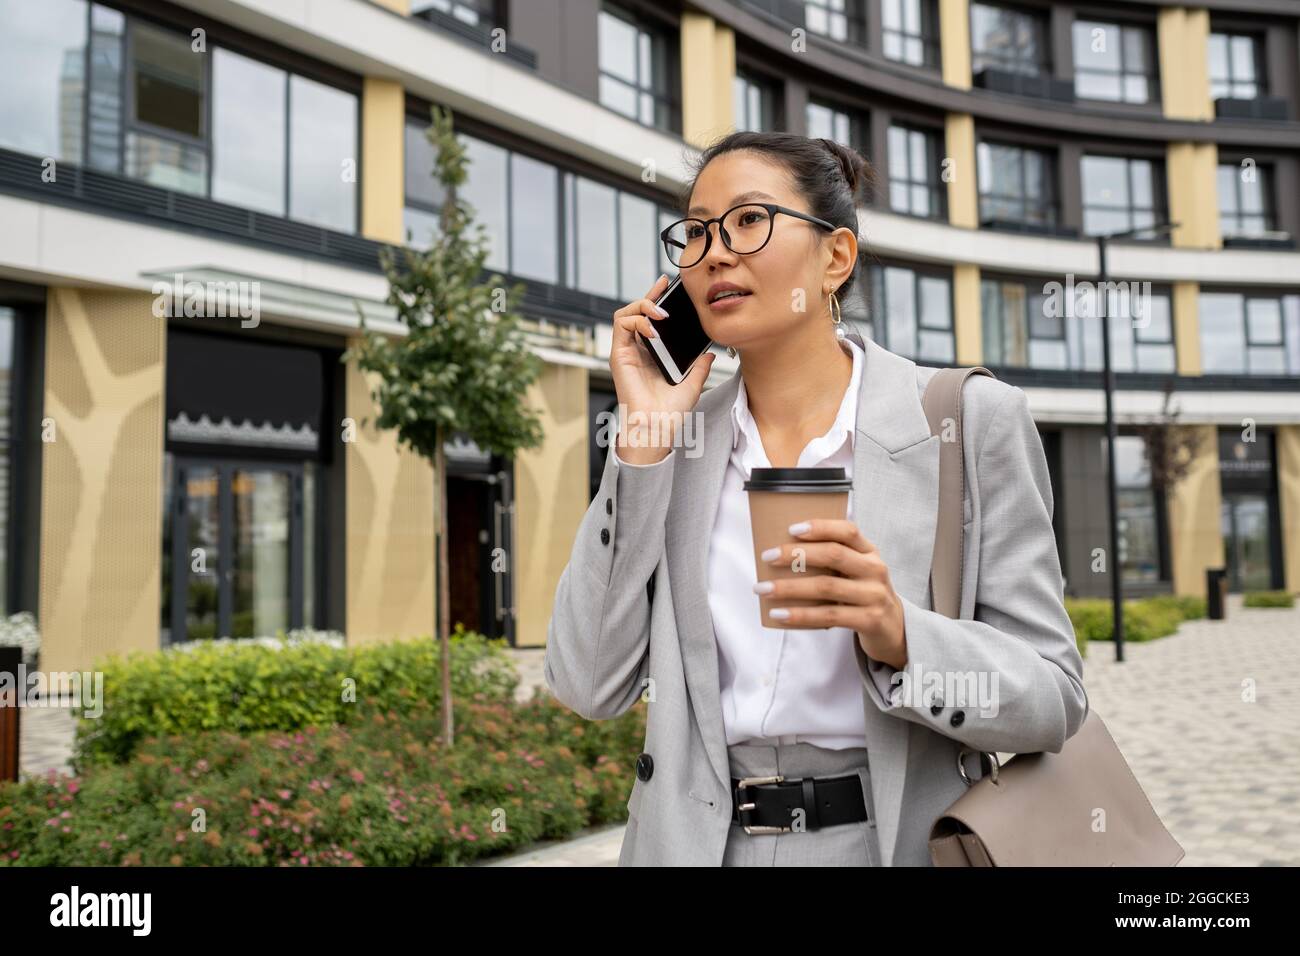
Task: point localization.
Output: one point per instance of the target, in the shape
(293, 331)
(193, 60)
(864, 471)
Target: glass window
(909, 31)
(1007, 39)
(166, 81)
(485, 192)
(1114, 61)
(1236, 66)
(911, 313)
(248, 122)
(636, 70)
(830, 18)
(42, 47)
(838, 123)
(753, 103)
(1251, 334)
(638, 244)
(104, 100)
(915, 185)
(475, 12)
(1120, 193)
(322, 154)
(1139, 531)
(1246, 206)
(534, 219)
(595, 224)
(1017, 184)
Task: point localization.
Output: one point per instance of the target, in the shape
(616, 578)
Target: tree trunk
(440, 576)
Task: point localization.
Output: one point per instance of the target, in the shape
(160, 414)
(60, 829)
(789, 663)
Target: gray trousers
(846, 844)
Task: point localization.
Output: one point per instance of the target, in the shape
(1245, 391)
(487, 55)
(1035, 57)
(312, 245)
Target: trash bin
(1216, 593)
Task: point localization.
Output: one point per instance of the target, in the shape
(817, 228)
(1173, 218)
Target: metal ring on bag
(994, 766)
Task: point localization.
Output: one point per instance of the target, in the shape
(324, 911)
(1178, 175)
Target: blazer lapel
(895, 500)
(895, 461)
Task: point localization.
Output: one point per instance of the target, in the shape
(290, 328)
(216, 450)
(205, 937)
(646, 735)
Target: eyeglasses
(744, 229)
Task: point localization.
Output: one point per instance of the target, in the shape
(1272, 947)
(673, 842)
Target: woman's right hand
(642, 388)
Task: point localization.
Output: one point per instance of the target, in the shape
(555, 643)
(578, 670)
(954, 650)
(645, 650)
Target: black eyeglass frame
(772, 210)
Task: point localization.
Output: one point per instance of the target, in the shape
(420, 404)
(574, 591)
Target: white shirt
(781, 685)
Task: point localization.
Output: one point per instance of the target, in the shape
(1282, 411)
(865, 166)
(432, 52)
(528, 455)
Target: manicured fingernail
(763, 587)
(779, 613)
(771, 554)
(800, 528)
(663, 313)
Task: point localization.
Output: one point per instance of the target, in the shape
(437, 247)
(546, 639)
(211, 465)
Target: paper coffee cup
(778, 498)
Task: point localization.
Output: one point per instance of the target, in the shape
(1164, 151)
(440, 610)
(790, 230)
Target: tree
(1170, 447)
(463, 365)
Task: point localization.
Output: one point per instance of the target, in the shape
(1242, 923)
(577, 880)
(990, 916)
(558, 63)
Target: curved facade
(274, 149)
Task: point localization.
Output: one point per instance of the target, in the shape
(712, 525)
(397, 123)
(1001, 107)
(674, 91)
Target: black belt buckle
(745, 807)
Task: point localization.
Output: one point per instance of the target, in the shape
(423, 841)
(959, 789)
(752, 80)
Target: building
(176, 473)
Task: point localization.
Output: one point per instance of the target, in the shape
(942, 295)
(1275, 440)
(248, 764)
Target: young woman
(833, 734)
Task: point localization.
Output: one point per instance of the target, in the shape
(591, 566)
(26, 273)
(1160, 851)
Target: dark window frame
(937, 188)
(873, 280)
(770, 96)
(1262, 294)
(1150, 48)
(1158, 503)
(1050, 188)
(564, 167)
(216, 35)
(859, 119)
(1159, 190)
(981, 59)
(932, 55)
(1258, 54)
(670, 99)
(1267, 171)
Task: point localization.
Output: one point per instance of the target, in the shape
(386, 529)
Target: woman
(835, 706)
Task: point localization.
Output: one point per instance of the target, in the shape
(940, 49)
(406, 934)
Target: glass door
(1247, 542)
(235, 537)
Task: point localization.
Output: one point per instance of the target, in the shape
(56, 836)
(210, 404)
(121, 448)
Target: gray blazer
(616, 635)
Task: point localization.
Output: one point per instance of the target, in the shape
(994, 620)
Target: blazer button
(957, 718)
(935, 708)
(604, 536)
(609, 506)
(645, 766)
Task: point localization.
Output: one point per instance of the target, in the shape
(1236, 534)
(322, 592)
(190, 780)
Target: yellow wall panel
(967, 322)
(1288, 490)
(551, 495)
(1195, 535)
(954, 42)
(101, 490)
(963, 195)
(389, 529)
(383, 186)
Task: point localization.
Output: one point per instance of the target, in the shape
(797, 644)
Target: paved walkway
(1222, 770)
(1223, 773)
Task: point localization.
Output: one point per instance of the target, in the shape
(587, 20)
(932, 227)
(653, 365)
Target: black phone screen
(681, 333)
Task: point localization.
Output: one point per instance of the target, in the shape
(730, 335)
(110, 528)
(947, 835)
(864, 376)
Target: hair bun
(851, 162)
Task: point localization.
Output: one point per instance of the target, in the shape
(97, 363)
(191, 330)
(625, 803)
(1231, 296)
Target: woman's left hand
(860, 598)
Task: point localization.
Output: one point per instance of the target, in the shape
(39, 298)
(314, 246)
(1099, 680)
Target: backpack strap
(942, 403)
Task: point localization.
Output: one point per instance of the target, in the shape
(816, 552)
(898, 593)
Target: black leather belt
(768, 804)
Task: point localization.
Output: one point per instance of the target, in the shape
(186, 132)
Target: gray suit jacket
(610, 640)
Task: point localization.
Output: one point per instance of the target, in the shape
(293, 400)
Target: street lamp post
(1108, 386)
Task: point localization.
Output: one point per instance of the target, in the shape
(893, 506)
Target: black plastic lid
(798, 479)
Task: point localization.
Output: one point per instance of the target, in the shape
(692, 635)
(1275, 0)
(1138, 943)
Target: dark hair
(827, 174)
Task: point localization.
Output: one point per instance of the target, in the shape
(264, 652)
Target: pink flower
(285, 794)
(74, 786)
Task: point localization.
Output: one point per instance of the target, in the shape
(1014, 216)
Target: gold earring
(836, 316)
(731, 350)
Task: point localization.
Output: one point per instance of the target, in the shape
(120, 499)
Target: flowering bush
(249, 685)
(379, 791)
(19, 630)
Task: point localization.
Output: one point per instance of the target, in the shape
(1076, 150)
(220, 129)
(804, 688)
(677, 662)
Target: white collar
(845, 419)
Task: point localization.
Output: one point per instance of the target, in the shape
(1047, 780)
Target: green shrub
(1144, 619)
(1268, 599)
(379, 790)
(245, 688)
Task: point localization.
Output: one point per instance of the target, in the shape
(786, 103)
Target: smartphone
(679, 339)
